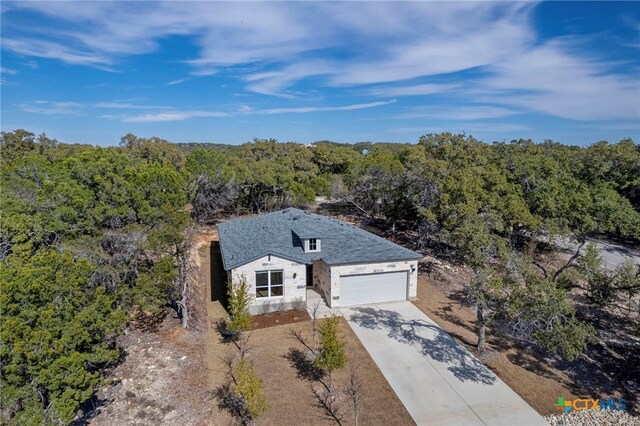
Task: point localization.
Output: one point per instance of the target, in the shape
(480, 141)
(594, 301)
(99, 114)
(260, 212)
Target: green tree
(540, 311)
(485, 293)
(250, 387)
(239, 298)
(87, 235)
(333, 159)
(215, 188)
(56, 335)
(153, 150)
(332, 355)
(599, 286)
(274, 175)
(627, 281)
(605, 287)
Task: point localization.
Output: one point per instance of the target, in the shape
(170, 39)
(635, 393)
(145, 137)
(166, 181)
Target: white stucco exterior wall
(411, 266)
(295, 288)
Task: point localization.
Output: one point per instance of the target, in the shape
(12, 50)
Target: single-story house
(283, 253)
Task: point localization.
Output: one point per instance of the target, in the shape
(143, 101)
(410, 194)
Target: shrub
(239, 299)
(332, 354)
(249, 387)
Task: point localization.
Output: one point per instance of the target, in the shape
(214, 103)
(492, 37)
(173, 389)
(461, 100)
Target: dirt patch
(160, 381)
(279, 318)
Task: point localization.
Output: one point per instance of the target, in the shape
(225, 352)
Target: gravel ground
(161, 382)
(594, 418)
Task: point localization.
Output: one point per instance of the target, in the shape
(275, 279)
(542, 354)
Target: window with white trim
(313, 244)
(269, 283)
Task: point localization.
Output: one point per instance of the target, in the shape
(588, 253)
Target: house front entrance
(309, 275)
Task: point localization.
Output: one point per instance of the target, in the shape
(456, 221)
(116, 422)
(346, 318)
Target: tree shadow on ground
(303, 363)
(447, 313)
(232, 403)
(89, 409)
(439, 346)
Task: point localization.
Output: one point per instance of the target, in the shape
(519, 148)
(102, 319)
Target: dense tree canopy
(93, 238)
(87, 239)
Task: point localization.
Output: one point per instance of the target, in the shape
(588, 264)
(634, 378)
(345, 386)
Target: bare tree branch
(327, 399)
(570, 261)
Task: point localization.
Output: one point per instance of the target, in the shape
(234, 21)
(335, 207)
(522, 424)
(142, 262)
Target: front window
(269, 283)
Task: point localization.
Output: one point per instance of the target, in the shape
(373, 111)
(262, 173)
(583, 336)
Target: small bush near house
(332, 353)
(239, 299)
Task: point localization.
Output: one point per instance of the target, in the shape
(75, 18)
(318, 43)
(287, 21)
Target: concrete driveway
(437, 380)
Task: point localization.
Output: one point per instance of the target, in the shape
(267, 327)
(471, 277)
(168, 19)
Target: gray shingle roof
(279, 233)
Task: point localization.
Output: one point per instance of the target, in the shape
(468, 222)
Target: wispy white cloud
(52, 108)
(176, 115)
(462, 113)
(276, 82)
(32, 64)
(75, 108)
(169, 116)
(4, 72)
(126, 105)
(415, 90)
(174, 82)
(501, 32)
(203, 72)
(470, 128)
(8, 71)
(633, 126)
(303, 110)
(54, 50)
(492, 127)
(551, 79)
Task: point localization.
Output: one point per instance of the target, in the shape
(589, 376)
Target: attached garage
(284, 255)
(373, 288)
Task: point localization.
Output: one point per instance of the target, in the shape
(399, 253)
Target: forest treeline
(93, 238)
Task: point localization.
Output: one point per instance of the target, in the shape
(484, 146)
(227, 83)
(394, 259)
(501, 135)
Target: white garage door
(373, 288)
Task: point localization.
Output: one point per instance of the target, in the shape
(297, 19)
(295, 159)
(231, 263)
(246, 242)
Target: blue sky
(305, 71)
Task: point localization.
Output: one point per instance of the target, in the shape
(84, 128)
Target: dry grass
(290, 396)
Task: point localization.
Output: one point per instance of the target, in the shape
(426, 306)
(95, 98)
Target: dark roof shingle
(279, 233)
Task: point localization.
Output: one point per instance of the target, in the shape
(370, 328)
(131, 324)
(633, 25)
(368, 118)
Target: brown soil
(278, 318)
(155, 384)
